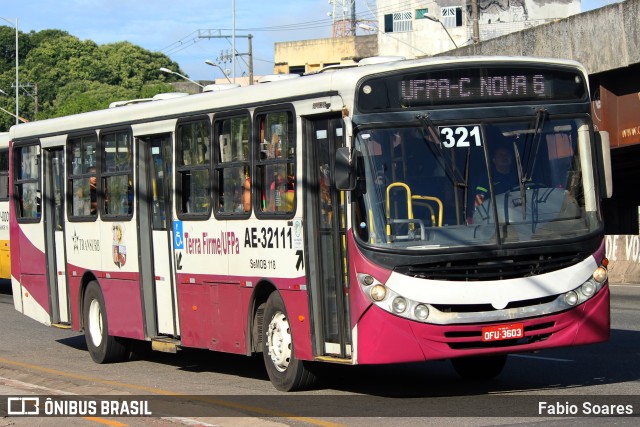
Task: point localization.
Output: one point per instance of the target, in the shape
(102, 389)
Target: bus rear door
(155, 162)
(53, 211)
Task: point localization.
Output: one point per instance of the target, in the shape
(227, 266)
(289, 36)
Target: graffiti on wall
(623, 248)
(623, 252)
(492, 11)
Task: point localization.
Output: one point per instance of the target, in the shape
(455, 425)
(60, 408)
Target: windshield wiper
(532, 149)
(447, 162)
(521, 181)
(541, 117)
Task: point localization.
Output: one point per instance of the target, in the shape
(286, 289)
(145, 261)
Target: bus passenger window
(116, 174)
(82, 180)
(232, 165)
(276, 163)
(193, 168)
(27, 182)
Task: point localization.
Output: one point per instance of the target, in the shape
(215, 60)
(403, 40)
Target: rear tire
(479, 367)
(103, 347)
(285, 371)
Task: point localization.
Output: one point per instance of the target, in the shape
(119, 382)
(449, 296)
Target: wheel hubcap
(279, 341)
(95, 323)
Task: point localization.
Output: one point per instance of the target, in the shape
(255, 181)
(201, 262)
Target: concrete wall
(602, 39)
(623, 252)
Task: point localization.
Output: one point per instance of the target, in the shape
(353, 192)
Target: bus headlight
(399, 305)
(600, 275)
(571, 298)
(390, 301)
(421, 312)
(588, 288)
(367, 280)
(378, 292)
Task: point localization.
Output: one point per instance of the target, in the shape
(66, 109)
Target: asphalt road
(221, 389)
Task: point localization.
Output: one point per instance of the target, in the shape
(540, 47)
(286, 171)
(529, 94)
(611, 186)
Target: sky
(173, 27)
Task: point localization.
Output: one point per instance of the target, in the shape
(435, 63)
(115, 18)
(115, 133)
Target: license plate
(503, 332)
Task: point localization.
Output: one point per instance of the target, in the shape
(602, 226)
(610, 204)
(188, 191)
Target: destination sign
(448, 89)
(478, 85)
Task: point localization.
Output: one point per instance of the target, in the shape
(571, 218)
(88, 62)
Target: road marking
(106, 422)
(189, 422)
(27, 386)
(553, 359)
(219, 402)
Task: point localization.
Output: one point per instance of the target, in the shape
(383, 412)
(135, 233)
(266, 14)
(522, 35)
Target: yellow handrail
(440, 207)
(410, 199)
(388, 207)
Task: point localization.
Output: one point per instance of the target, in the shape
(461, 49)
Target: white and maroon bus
(356, 217)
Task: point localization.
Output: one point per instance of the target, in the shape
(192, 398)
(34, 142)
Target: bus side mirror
(604, 164)
(345, 173)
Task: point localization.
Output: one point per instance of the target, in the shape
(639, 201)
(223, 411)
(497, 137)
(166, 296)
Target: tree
(75, 76)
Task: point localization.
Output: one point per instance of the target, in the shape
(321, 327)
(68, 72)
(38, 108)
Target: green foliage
(75, 76)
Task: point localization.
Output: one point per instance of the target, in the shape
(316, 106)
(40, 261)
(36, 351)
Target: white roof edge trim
(158, 97)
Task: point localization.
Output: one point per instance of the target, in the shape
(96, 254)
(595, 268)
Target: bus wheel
(285, 371)
(479, 367)
(103, 347)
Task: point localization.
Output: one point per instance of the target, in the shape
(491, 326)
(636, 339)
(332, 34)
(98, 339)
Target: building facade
(412, 29)
(308, 56)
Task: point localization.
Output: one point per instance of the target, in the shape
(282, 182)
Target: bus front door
(325, 217)
(155, 163)
(53, 211)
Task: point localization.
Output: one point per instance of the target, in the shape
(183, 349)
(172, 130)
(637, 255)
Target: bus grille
(476, 308)
(493, 269)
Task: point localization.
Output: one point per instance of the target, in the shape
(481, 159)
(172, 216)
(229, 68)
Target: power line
(179, 42)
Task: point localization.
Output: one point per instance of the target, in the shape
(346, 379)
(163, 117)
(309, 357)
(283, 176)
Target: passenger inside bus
(281, 193)
(93, 195)
(246, 193)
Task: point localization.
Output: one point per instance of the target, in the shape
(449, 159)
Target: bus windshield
(431, 187)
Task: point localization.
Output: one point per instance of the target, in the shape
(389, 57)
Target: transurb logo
(80, 244)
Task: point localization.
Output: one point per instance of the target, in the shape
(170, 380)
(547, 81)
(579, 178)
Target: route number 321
(460, 136)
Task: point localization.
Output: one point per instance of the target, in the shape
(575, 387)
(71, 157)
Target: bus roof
(340, 82)
(5, 137)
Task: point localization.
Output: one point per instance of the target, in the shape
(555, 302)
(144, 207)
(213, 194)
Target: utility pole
(353, 18)
(209, 34)
(474, 19)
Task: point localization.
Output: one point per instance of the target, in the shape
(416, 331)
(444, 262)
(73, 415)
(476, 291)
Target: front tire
(479, 367)
(285, 371)
(103, 347)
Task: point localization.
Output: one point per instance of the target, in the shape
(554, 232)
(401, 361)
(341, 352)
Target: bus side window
(193, 168)
(82, 176)
(232, 165)
(116, 173)
(27, 182)
(276, 162)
